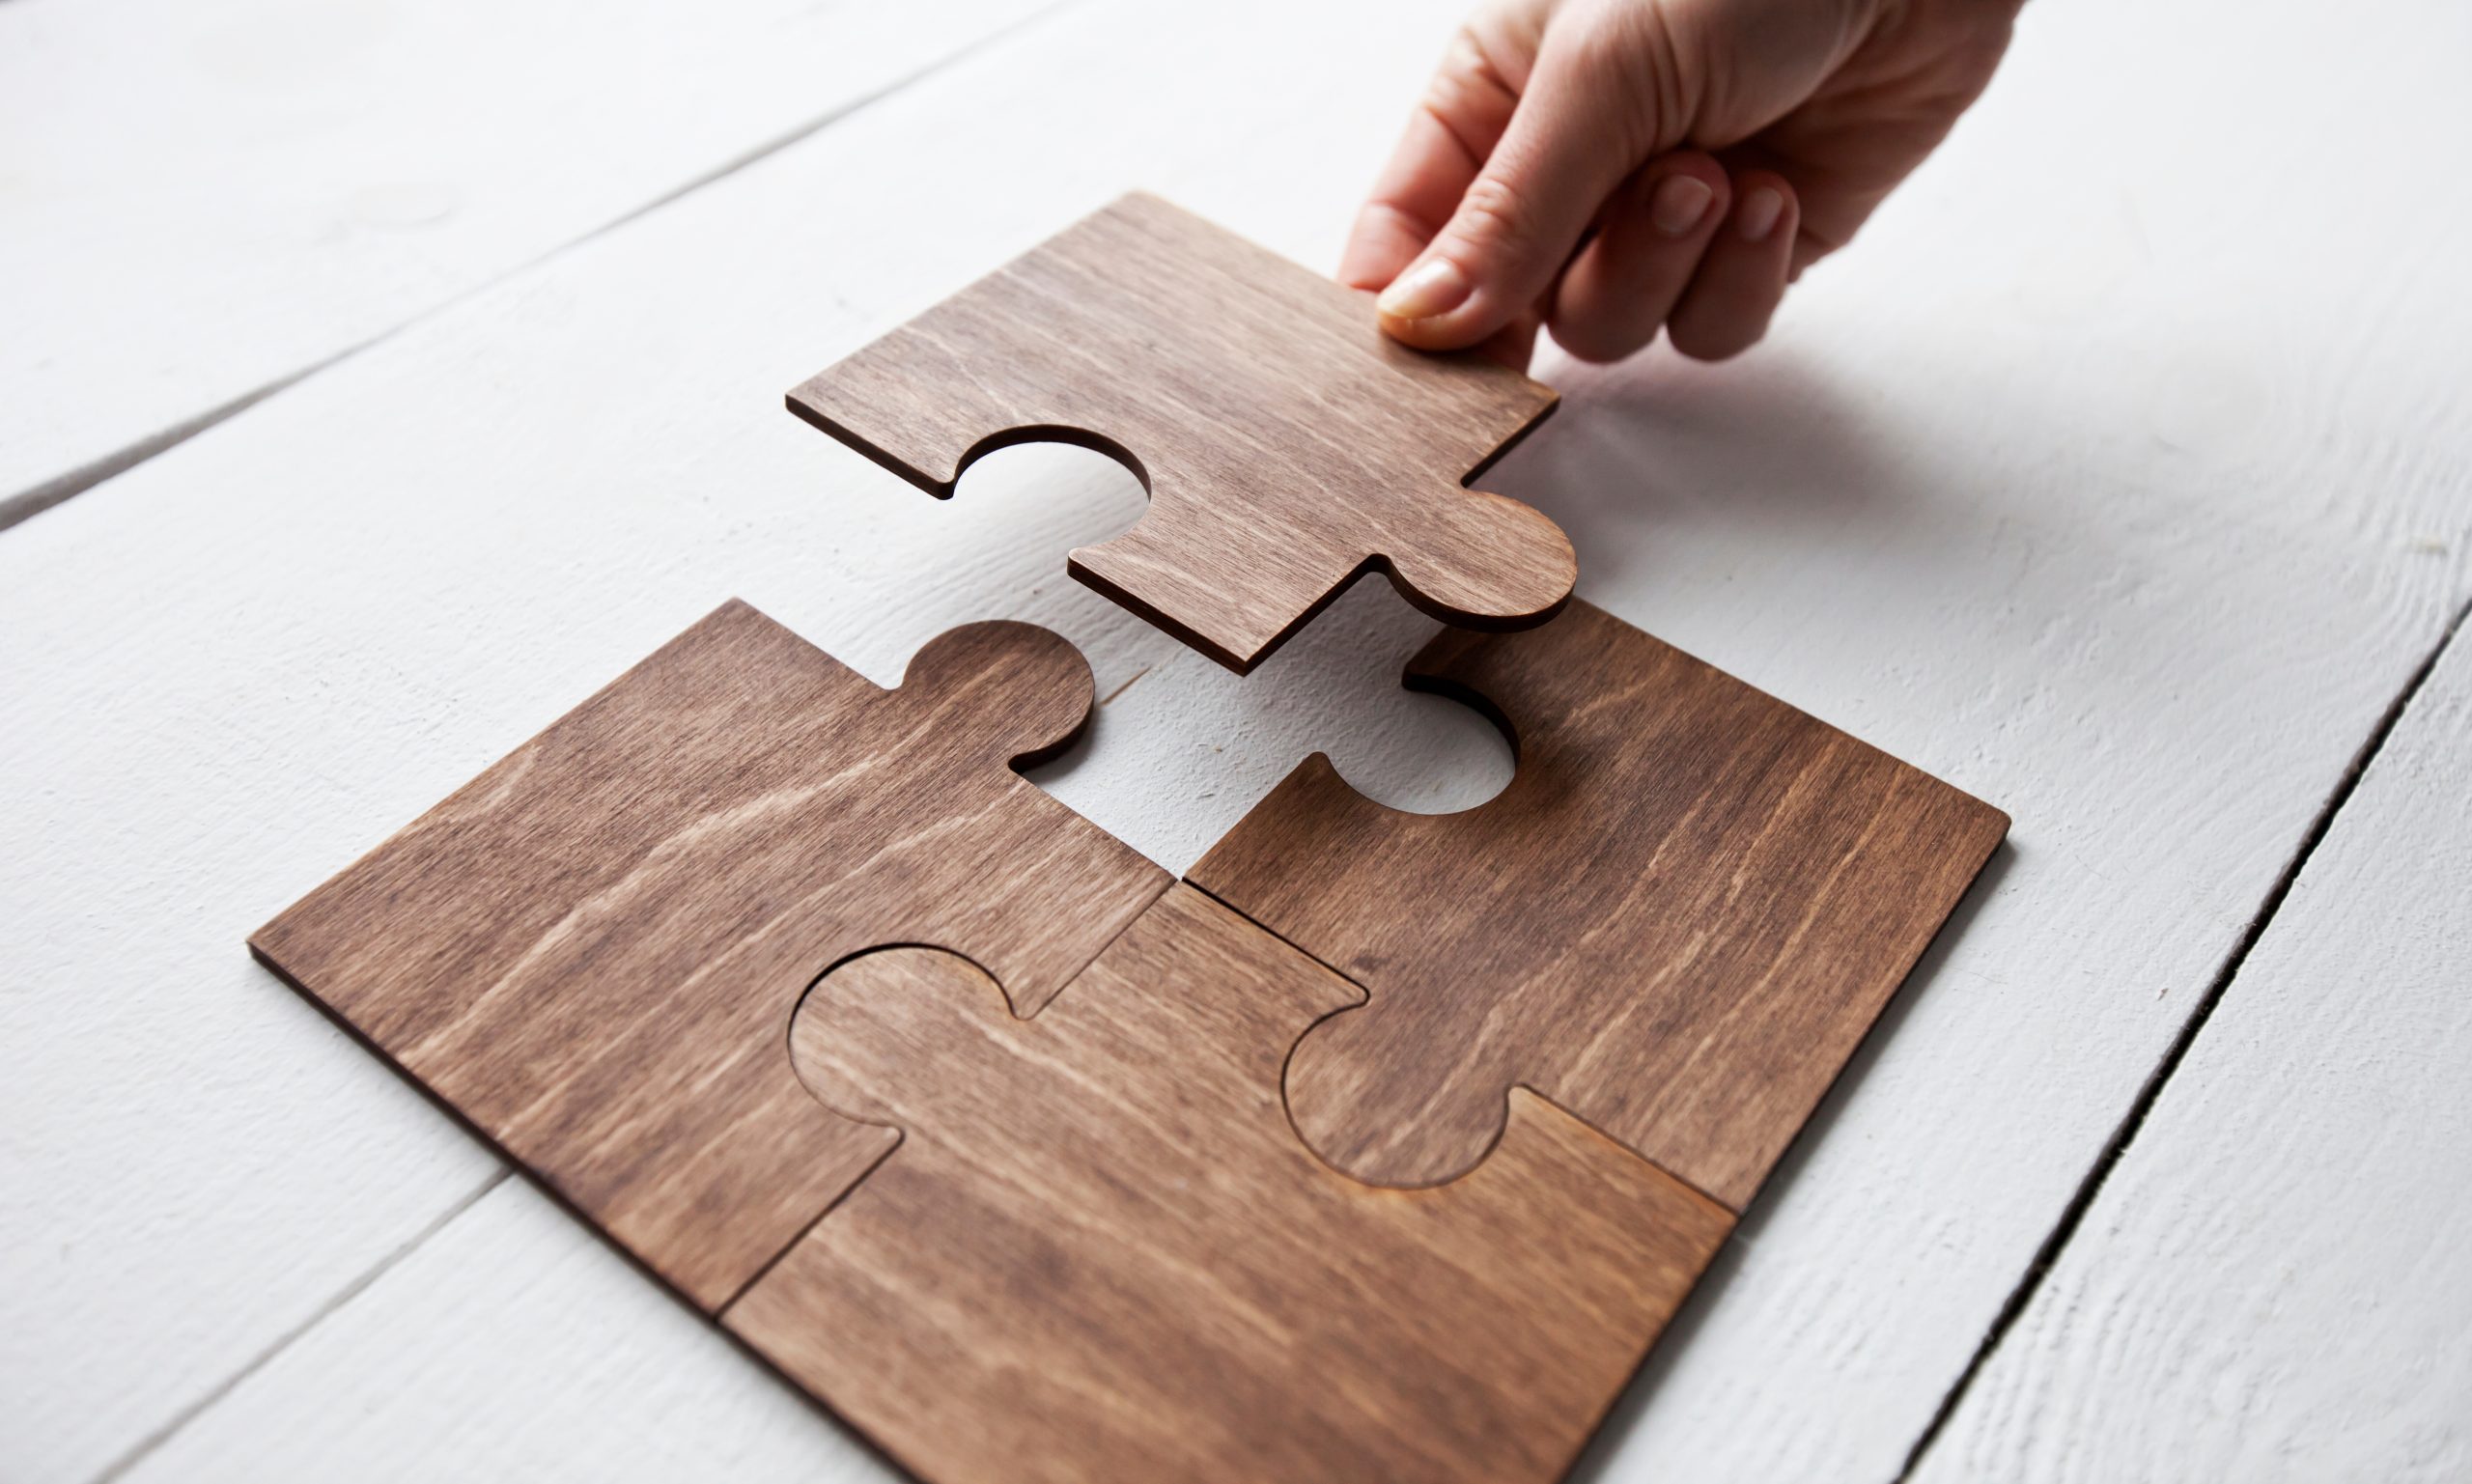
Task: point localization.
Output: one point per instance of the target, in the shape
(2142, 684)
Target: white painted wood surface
(2273, 1284)
(2102, 479)
(197, 201)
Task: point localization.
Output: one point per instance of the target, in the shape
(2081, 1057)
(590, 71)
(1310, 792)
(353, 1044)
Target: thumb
(1583, 123)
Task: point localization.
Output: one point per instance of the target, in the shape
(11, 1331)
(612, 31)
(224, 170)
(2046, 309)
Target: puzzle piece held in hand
(1100, 1252)
(1677, 921)
(591, 951)
(1287, 444)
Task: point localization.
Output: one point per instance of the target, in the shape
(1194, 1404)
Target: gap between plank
(86, 476)
(38, 498)
(119, 1467)
(2047, 1255)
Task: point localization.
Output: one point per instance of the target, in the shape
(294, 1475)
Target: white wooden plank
(199, 200)
(2075, 523)
(2273, 1283)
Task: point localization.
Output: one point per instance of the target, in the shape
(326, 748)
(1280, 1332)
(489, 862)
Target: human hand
(1606, 168)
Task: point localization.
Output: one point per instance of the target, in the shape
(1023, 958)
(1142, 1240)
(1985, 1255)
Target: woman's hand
(1606, 168)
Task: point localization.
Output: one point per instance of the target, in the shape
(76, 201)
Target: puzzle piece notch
(1288, 445)
(591, 951)
(1677, 921)
(1100, 1251)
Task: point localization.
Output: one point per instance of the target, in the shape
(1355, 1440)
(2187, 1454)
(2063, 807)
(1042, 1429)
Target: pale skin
(1608, 170)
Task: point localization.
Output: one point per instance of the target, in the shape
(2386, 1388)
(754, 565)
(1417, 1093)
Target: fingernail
(1433, 287)
(1756, 216)
(1678, 205)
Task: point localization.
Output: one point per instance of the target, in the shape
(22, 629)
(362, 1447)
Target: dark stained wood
(1677, 921)
(592, 952)
(1286, 442)
(1100, 1252)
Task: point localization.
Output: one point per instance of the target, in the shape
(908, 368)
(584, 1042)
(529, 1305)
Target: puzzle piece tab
(591, 951)
(1287, 444)
(1677, 921)
(1100, 1252)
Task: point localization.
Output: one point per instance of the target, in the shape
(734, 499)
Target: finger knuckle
(1497, 214)
(1629, 55)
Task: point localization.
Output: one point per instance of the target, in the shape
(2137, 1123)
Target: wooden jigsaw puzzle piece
(591, 951)
(1677, 921)
(1100, 1252)
(1287, 444)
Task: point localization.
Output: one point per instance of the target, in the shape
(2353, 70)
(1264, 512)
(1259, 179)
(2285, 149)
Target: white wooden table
(2122, 475)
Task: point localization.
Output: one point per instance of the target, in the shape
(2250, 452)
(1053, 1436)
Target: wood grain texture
(1287, 444)
(591, 952)
(2272, 1285)
(1677, 921)
(1938, 508)
(1101, 1253)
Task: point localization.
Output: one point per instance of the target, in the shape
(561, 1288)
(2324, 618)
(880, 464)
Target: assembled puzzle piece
(1100, 1252)
(1677, 921)
(1286, 442)
(591, 951)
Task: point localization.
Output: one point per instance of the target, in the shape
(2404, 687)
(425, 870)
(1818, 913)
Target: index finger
(1450, 136)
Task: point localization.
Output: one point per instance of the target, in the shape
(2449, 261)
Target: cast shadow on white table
(1687, 488)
